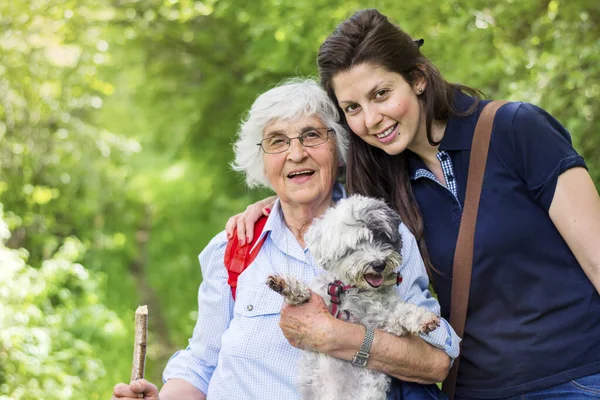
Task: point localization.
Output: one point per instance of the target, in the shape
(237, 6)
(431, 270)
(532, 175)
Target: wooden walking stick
(140, 343)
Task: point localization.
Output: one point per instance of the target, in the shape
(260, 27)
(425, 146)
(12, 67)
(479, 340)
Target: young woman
(533, 323)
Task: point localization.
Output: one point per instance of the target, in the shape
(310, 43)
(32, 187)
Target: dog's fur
(349, 242)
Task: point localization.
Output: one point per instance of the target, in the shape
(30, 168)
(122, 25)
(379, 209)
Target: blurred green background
(116, 124)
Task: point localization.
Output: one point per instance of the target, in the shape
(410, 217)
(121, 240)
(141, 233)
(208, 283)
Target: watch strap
(362, 356)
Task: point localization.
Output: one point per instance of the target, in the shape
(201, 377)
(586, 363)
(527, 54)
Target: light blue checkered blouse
(237, 350)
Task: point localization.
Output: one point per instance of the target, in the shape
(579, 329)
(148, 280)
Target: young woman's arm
(543, 157)
(194, 365)
(575, 211)
(244, 222)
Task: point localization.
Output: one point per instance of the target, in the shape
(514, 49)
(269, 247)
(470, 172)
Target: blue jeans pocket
(584, 388)
(588, 384)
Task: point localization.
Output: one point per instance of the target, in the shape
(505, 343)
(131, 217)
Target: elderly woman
(291, 141)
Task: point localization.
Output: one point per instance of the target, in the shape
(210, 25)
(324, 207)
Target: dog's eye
(381, 237)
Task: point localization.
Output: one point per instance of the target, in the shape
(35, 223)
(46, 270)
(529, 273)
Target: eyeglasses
(280, 143)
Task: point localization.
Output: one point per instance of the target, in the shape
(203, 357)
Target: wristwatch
(362, 356)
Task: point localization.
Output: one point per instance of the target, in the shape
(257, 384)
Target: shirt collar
(460, 128)
(414, 163)
(275, 221)
(458, 134)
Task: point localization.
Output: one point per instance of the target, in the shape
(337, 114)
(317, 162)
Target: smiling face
(381, 107)
(302, 176)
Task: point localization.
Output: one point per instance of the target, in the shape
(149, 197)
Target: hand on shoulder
(243, 223)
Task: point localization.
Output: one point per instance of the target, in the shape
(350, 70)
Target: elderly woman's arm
(424, 359)
(188, 372)
(196, 364)
(176, 389)
(311, 327)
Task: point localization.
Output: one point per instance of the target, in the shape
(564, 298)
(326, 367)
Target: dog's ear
(392, 217)
(324, 238)
(394, 220)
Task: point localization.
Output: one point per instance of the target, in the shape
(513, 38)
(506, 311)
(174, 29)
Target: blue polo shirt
(534, 317)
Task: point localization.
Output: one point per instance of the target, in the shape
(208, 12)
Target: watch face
(360, 360)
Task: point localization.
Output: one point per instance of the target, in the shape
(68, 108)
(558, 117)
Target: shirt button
(444, 157)
(450, 178)
(249, 307)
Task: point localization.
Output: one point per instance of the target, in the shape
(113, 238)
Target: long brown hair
(368, 37)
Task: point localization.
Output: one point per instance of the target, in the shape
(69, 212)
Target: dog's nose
(378, 265)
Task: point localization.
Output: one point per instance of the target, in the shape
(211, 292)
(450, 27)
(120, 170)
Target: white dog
(357, 243)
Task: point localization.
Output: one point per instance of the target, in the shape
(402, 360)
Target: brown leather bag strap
(463, 256)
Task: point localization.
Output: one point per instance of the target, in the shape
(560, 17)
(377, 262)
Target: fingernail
(242, 242)
(268, 210)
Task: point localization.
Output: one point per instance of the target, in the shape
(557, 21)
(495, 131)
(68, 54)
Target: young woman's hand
(244, 222)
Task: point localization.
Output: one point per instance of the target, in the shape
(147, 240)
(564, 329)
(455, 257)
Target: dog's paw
(430, 323)
(411, 319)
(278, 284)
(293, 291)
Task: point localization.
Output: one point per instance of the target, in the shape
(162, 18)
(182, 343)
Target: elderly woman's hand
(140, 389)
(244, 221)
(309, 326)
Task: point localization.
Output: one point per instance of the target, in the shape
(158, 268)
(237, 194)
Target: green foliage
(63, 180)
(116, 123)
(52, 325)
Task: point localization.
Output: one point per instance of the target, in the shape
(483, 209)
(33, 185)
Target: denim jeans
(584, 388)
(413, 391)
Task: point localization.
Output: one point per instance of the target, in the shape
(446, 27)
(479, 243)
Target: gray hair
(288, 101)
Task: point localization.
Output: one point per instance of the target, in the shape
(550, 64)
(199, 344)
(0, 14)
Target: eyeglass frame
(300, 139)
